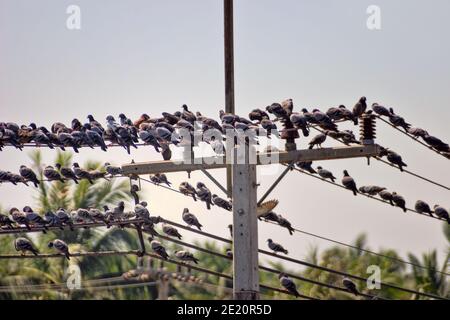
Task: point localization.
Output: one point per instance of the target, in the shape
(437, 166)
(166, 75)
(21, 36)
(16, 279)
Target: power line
(363, 250)
(412, 137)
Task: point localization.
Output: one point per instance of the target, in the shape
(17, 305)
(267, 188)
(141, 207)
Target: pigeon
(286, 224)
(399, 201)
(171, 231)
(54, 140)
(423, 207)
(6, 221)
(159, 178)
(186, 256)
(347, 114)
(94, 137)
(61, 247)
(306, 166)
(188, 115)
(350, 286)
(34, 218)
(188, 190)
(288, 284)
(300, 122)
(112, 170)
(442, 213)
(380, 110)
(19, 217)
(275, 247)
(324, 121)
(67, 140)
(398, 121)
(335, 114)
(191, 219)
(67, 173)
(24, 245)
(9, 136)
(52, 220)
(158, 249)
(222, 203)
(29, 175)
(396, 159)
(268, 216)
(125, 138)
(16, 178)
(359, 108)
(149, 227)
(387, 196)
(150, 138)
(83, 216)
(141, 211)
(371, 190)
(278, 111)
(325, 174)
(94, 123)
(229, 253)
(134, 193)
(65, 218)
(40, 137)
(317, 140)
(82, 173)
(98, 216)
(436, 143)
(347, 136)
(258, 115)
(118, 212)
(349, 183)
(204, 194)
(52, 175)
(417, 132)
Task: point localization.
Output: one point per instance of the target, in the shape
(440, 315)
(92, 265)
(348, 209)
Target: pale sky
(153, 56)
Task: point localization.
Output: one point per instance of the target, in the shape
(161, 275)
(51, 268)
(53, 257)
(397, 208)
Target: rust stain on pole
(229, 69)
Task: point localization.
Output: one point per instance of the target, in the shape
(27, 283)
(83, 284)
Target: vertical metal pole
(245, 233)
(229, 70)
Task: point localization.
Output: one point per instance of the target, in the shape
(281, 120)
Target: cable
(393, 166)
(362, 249)
(323, 284)
(305, 263)
(412, 137)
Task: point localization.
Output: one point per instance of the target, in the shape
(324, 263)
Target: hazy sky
(153, 56)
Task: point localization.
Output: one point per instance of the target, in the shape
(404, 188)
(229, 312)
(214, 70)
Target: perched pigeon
(417, 132)
(371, 190)
(286, 224)
(134, 193)
(34, 218)
(52, 175)
(83, 216)
(171, 231)
(6, 221)
(24, 245)
(359, 108)
(112, 170)
(325, 174)
(350, 286)
(29, 175)
(398, 121)
(159, 178)
(94, 137)
(396, 159)
(275, 247)
(269, 216)
(52, 220)
(423, 207)
(347, 114)
(98, 216)
(441, 213)
(158, 249)
(399, 201)
(380, 110)
(324, 121)
(222, 203)
(188, 190)
(436, 143)
(191, 219)
(386, 195)
(19, 217)
(67, 173)
(141, 211)
(258, 115)
(204, 194)
(186, 256)
(61, 247)
(300, 122)
(65, 218)
(349, 183)
(306, 166)
(82, 173)
(318, 140)
(288, 284)
(16, 178)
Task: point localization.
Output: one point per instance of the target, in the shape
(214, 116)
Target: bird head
(75, 165)
(363, 99)
(107, 164)
(110, 118)
(185, 210)
(269, 240)
(230, 226)
(58, 166)
(106, 208)
(134, 188)
(144, 203)
(185, 107)
(121, 204)
(23, 166)
(346, 173)
(281, 275)
(342, 106)
(33, 126)
(12, 210)
(200, 185)
(50, 244)
(319, 168)
(27, 209)
(122, 116)
(90, 117)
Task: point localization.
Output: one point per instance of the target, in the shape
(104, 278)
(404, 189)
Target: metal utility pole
(229, 70)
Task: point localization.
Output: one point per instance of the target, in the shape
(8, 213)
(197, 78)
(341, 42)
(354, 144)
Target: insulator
(367, 128)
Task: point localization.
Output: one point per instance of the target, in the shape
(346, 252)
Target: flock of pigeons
(160, 132)
(392, 197)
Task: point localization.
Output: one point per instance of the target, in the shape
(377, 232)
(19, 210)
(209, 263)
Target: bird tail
(355, 192)
(199, 226)
(35, 251)
(311, 146)
(208, 205)
(333, 179)
(291, 230)
(305, 132)
(67, 254)
(36, 183)
(193, 196)
(285, 252)
(195, 260)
